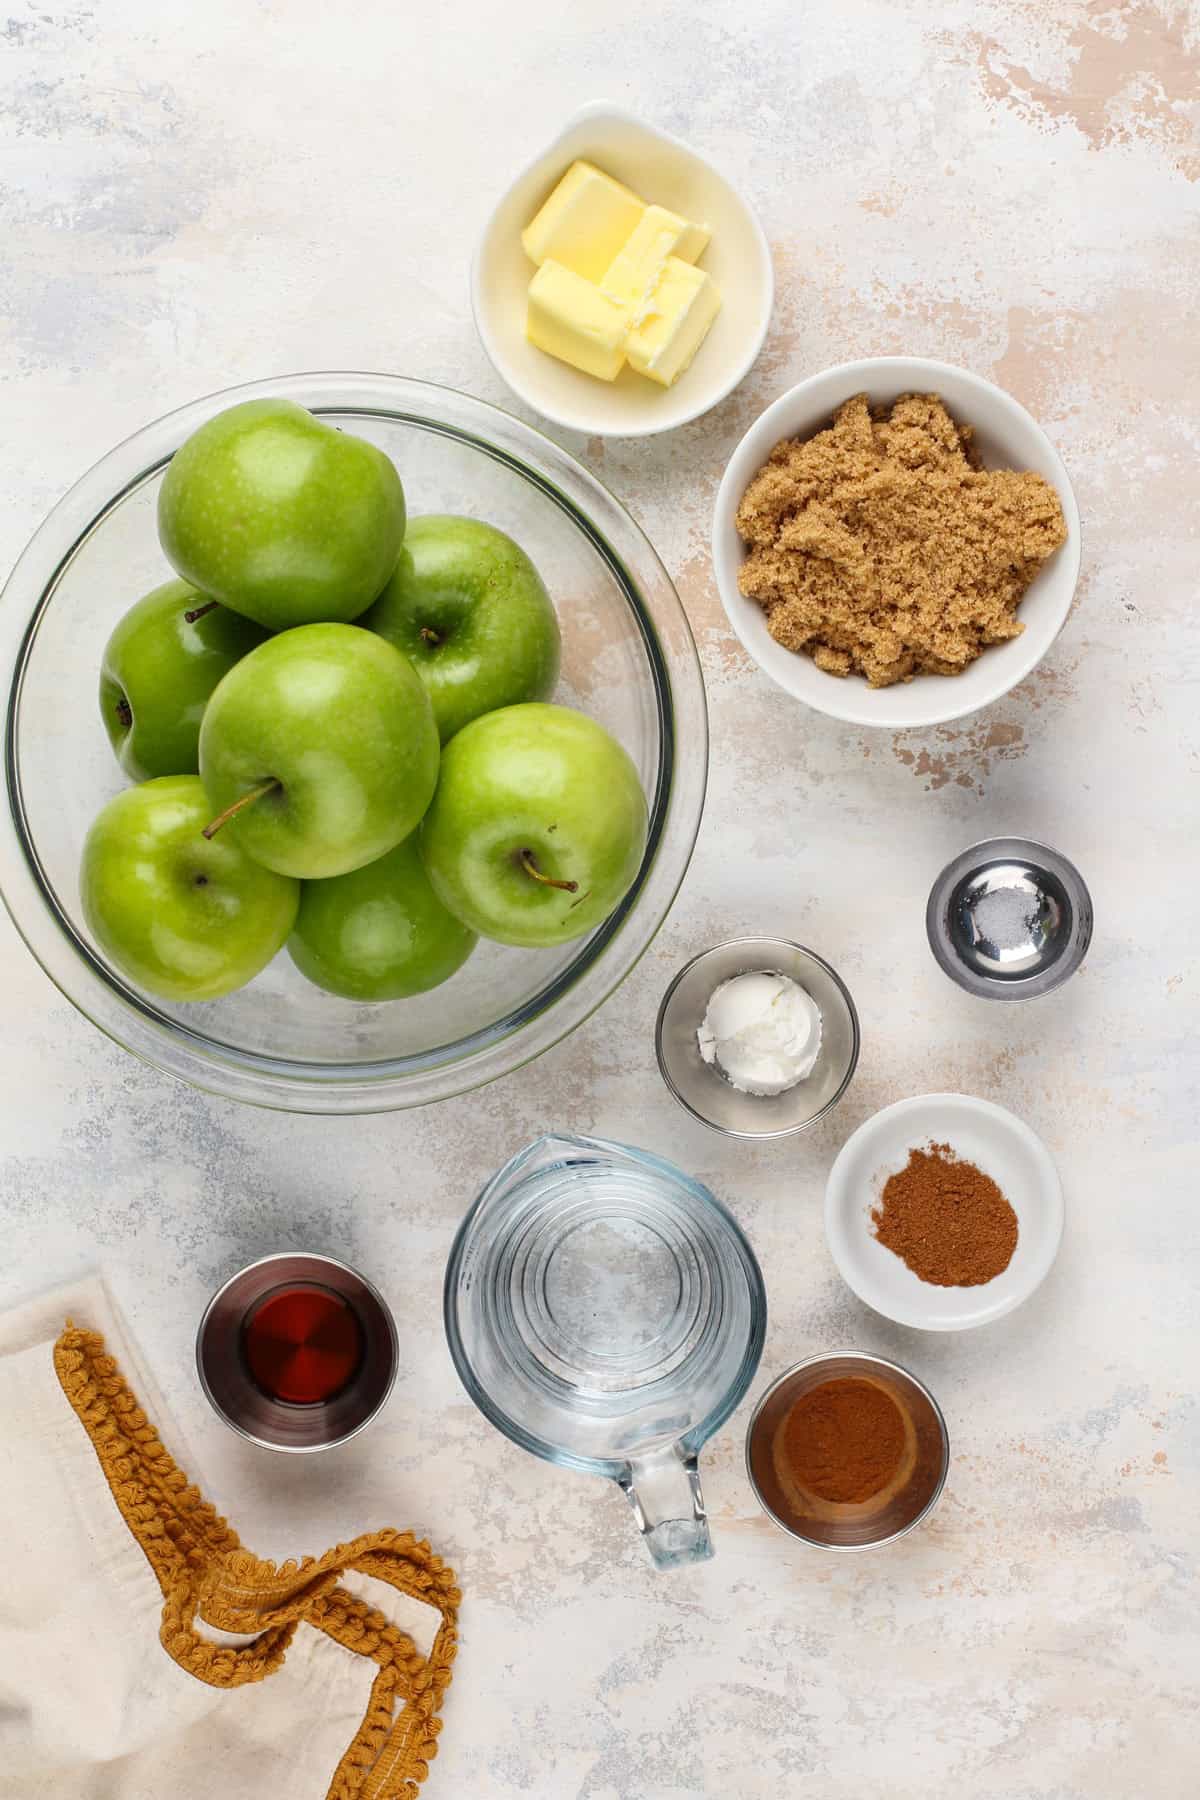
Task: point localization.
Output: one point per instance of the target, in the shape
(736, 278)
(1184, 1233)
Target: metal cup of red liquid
(297, 1352)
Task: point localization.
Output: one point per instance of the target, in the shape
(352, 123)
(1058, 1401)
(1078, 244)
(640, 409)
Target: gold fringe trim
(204, 1573)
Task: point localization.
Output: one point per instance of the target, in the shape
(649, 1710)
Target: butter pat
(676, 322)
(587, 219)
(615, 278)
(570, 318)
(635, 272)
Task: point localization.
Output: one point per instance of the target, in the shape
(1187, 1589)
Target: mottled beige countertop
(192, 195)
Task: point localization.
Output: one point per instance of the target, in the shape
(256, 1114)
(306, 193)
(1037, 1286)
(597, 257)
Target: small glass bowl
(628, 660)
(703, 1090)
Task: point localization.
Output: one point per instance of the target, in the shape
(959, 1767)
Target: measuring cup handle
(664, 1491)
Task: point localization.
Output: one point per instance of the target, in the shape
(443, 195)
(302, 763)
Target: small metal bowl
(864, 1524)
(280, 1424)
(703, 1090)
(1009, 919)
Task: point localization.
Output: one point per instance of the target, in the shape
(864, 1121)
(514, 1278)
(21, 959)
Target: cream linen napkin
(143, 1652)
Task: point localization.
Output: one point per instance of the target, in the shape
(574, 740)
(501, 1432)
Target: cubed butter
(584, 223)
(634, 273)
(675, 323)
(693, 243)
(570, 318)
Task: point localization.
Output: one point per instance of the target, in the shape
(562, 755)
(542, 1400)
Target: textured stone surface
(194, 195)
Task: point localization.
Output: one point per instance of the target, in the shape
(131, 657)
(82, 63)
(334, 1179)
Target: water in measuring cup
(600, 1302)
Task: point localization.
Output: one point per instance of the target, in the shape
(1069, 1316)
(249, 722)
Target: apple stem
(124, 713)
(431, 637)
(530, 867)
(198, 612)
(231, 812)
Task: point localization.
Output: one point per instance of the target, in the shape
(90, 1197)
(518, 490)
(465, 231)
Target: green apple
(280, 516)
(379, 933)
(159, 667)
(319, 751)
(182, 917)
(469, 609)
(538, 825)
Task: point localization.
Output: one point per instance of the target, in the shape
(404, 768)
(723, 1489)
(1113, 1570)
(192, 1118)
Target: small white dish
(1007, 437)
(663, 171)
(980, 1132)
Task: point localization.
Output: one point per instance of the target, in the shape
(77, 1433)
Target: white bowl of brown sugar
(896, 542)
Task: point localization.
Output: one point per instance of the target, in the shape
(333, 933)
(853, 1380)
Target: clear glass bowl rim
(604, 959)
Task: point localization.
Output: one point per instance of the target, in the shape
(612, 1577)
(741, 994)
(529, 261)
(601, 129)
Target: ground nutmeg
(946, 1219)
(843, 1439)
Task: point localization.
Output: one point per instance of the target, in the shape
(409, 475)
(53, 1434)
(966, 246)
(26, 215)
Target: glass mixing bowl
(628, 660)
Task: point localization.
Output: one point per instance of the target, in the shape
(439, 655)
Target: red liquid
(302, 1344)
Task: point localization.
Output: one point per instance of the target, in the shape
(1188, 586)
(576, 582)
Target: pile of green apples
(338, 722)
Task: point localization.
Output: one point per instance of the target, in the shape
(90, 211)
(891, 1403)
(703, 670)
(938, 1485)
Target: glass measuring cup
(606, 1312)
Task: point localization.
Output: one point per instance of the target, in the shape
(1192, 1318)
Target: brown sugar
(946, 1220)
(881, 545)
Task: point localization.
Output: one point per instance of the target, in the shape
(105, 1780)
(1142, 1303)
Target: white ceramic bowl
(663, 171)
(979, 1132)
(1007, 438)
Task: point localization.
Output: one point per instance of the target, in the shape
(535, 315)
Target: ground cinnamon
(946, 1219)
(843, 1440)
